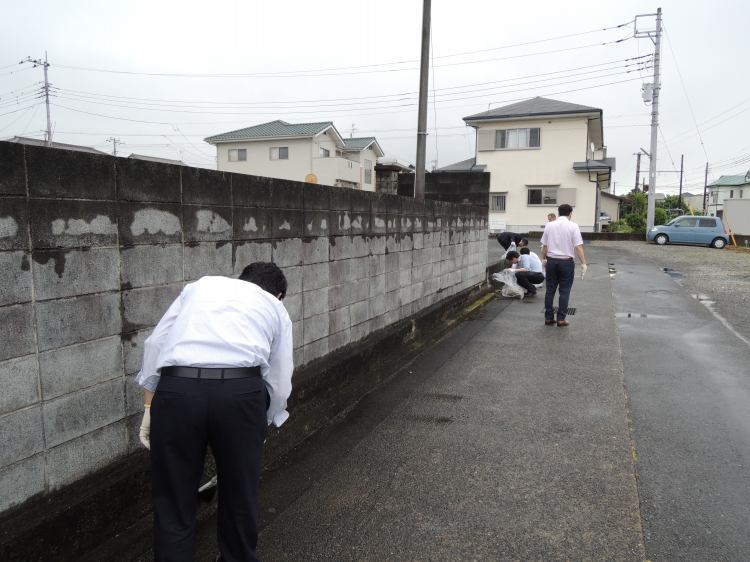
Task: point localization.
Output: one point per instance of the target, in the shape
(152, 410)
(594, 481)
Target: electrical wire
(366, 65)
(690, 105)
(366, 114)
(85, 96)
(20, 117)
(316, 109)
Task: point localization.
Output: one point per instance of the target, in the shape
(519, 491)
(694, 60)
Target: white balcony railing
(333, 169)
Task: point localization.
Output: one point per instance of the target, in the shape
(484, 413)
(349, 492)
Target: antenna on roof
(352, 130)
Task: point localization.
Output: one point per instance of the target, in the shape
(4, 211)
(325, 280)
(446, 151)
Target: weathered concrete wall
(93, 249)
(466, 188)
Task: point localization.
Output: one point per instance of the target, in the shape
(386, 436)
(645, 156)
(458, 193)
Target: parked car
(688, 229)
(604, 218)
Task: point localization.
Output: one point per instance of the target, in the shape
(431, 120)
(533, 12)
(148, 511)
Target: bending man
(529, 271)
(217, 370)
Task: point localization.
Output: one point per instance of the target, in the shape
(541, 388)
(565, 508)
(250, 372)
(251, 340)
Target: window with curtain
(368, 171)
(517, 138)
(497, 202)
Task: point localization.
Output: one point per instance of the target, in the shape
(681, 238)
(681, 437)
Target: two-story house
(541, 153)
(727, 187)
(312, 152)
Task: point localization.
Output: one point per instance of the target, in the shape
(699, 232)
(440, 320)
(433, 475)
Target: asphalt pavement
(688, 384)
(624, 436)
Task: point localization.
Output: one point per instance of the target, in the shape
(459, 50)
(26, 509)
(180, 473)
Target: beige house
(542, 153)
(311, 152)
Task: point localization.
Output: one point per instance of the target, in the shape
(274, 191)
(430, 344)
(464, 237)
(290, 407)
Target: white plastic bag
(511, 248)
(511, 288)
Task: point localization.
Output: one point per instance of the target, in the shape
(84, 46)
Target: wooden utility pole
(705, 192)
(424, 74)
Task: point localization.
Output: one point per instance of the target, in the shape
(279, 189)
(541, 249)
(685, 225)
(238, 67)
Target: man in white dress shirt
(217, 370)
(561, 242)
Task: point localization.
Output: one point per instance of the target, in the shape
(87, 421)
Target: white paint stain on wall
(285, 226)
(8, 227)
(154, 221)
(250, 225)
(77, 227)
(208, 221)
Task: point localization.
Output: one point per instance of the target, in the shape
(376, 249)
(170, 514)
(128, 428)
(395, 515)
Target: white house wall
(563, 141)
(259, 162)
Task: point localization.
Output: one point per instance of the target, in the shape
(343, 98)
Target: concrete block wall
(93, 249)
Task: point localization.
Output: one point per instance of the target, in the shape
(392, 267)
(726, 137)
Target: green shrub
(620, 226)
(636, 222)
(660, 216)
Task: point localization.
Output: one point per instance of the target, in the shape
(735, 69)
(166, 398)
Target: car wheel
(718, 243)
(662, 239)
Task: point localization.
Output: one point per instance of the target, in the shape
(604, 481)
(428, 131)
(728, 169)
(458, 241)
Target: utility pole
(114, 142)
(705, 191)
(655, 36)
(44, 64)
(424, 72)
(679, 197)
(638, 171)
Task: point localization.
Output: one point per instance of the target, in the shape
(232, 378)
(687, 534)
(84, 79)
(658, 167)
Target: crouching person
(529, 271)
(217, 370)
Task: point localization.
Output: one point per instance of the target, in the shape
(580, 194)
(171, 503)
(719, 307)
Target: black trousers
(186, 416)
(527, 280)
(560, 274)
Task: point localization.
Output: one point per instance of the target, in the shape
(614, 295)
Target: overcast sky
(356, 64)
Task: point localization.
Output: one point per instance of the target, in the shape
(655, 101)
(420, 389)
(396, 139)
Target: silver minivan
(688, 229)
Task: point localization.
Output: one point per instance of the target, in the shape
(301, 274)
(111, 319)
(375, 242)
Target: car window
(707, 223)
(688, 222)
(670, 223)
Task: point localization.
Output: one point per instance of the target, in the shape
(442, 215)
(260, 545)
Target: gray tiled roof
(40, 142)
(463, 166)
(534, 106)
(359, 143)
(276, 128)
(157, 159)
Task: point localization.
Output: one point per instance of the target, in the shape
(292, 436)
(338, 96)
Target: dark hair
(267, 276)
(512, 254)
(525, 241)
(564, 210)
(524, 251)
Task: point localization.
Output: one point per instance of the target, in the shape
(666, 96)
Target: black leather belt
(559, 259)
(211, 374)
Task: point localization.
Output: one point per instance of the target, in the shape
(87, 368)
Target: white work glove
(584, 267)
(145, 433)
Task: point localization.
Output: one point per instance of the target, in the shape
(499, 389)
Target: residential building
(157, 159)
(62, 145)
(610, 204)
(312, 152)
(541, 153)
(727, 187)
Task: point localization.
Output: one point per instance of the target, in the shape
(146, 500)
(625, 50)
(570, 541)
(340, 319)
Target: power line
(306, 72)
(316, 109)
(93, 97)
(299, 74)
(690, 105)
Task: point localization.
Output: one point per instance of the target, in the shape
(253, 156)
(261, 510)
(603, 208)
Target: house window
(368, 171)
(731, 193)
(542, 196)
(497, 202)
(238, 155)
(517, 138)
(715, 196)
(323, 152)
(741, 193)
(279, 153)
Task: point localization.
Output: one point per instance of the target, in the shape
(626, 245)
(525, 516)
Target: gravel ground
(723, 275)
